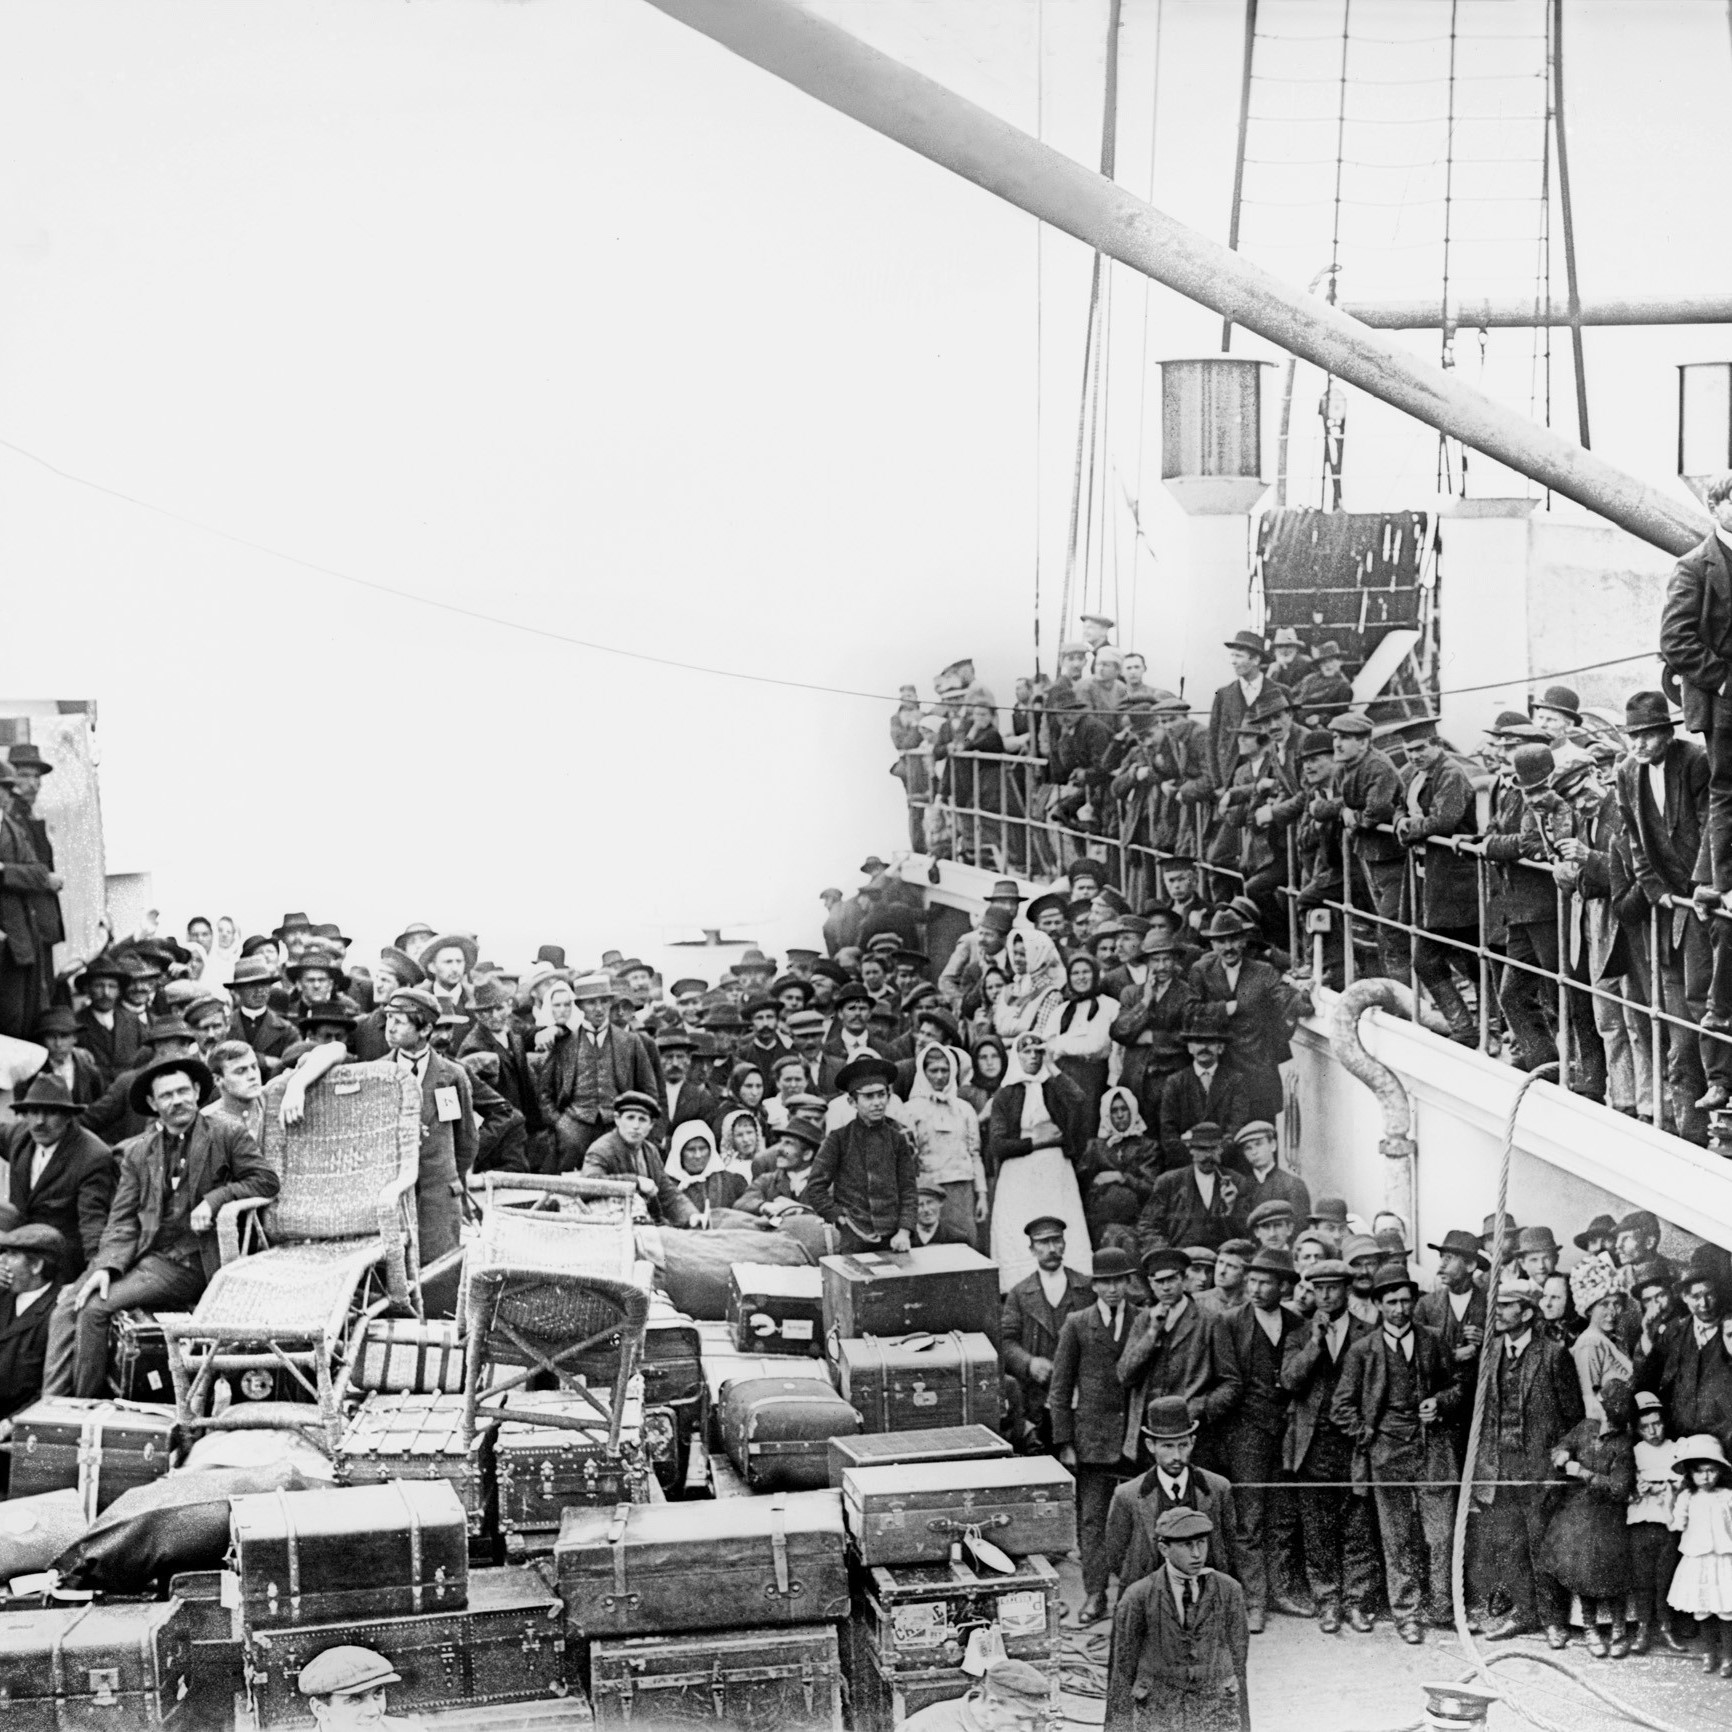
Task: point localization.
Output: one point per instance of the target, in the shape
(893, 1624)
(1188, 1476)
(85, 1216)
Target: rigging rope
(1039, 321)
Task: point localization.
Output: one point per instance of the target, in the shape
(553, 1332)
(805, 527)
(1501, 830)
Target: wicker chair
(305, 1271)
(544, 1285)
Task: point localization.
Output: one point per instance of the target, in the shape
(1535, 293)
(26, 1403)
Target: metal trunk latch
(104, 1685)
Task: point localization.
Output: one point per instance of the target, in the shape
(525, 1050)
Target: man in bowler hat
(1173, 1481)
(1180, 1642)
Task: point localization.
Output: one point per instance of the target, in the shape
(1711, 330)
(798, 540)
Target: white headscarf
(1034, 1114)
(923, 1089)
(730, 1161)
(1137, 1126)
(1025, 998)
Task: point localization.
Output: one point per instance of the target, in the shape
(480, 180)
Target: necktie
(1188, 1598)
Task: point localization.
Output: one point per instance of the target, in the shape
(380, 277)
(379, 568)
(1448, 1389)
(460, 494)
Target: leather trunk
(211, 1600)
(410, 1355)
(913, 1512)
(933, 1287)
(943, 1443)
(507, 1645)
(920, 1615)
(778, 1429)
(724, 1365)
(654, 1569)
(123, 1666)
(103, 1448)
(543, 1470)
(881, 1698)
(138, 1358)
(729, 1681)
(409, 1436)
(317, 1557)
(921, 1381)
(673, 1377)
(772, 1309)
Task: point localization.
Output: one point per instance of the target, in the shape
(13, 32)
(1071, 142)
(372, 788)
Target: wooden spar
(844, 73)
(1524, 315)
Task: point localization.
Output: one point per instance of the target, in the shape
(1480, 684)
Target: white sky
(557, 312)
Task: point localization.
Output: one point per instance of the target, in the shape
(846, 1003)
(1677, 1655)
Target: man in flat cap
(1090, 1413)
(1340, 1558)
(1270, 1182)
(1274, 1224)
(1032, 1315)
(1395, 1397)
(59, 1174)
(1533, 1397)
(1180, 1642)
(1012, 1696)
(32, 1266)
(159, 1246)
(625, 1151)
(345, 1691)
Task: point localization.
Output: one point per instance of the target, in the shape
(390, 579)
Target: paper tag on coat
(447, 1105)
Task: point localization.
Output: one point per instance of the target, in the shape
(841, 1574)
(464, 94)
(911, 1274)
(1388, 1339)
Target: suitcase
(728, 1681)
(407, 1436)
(407, 1355)
(102, 1447)
(945, 1443)
(643, 1570)
(507, 1645)
(724, 1365)
(934, 1288)
(912, 1512)
(138, 1358)
(777, 1431)
(772, 1309)
(125, 1666)
(921, 1381)
(316, 1557)
(921, 1615)
(543, 1470)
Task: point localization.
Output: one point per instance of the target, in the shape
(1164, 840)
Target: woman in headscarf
(788, 1074)
(946, 1133)
(742, 1144)
(745, 1092)
(1036, 984)
(1037, 1132)
(697, 1166)
(1079, 1030)
(225, 952)
(1117, 1170)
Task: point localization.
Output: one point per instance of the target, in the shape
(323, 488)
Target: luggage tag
(446, 1105)
(985, 1644)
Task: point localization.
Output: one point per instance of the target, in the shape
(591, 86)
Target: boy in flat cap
(32, 1266)
(1180, 1642)
(345, 1690)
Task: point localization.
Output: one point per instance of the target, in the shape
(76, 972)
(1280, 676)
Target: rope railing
(1016, 830)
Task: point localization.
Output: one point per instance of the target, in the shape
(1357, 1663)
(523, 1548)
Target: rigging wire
(1136, 506)
(1039, 322)
(1445, 469)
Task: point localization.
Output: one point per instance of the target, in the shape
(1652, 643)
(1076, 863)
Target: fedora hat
(1168, 1416)
(339, 1013)
(1561, 700)
(1460, 1241)
(1646, 711)
(804, 1130)
(1203, 1020)
(107, 966)
(407, 970)
(453, 941)
(1535, 1239)
(1287, 638)
(1226, 923)
(47, 1094)
(296, 921)
(1601, 1227)
(1269, 1261)
(252, 971)
(1391, 1275)
(1005, 890)
(56, 1019)
(1326, 651)
(1248, 640)
(138, 1096)
(490, 995)
(24, 756)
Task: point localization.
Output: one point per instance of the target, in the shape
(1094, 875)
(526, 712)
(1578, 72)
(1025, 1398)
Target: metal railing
(1017, 831)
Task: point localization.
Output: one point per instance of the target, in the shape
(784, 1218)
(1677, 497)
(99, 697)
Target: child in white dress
(1702, 1518)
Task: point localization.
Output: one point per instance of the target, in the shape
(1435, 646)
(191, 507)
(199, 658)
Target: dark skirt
(1587, 1547)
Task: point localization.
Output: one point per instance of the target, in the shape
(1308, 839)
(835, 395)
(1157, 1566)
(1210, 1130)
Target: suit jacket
(1696, 629)
(112, 1117)
(1257, 1028)
(223, 1164)
(29, 910)
(1176, 1214)
(609, 1158)
(1447, 807)
(88, 1082)
(1362, 1400)
(1225, 714)
(696, 1105)
(23, 1349)
(1279, 1186)
(1085, 1398)
(1161, 1361)
(113, 1049)
(77, 1187)
(627, 1052)
(1550, 1396)
(1694, 1383)
(1139, 1503)
(1664, 846)
(1239, 1396)
(270, 1036)
(516, 1078)
(50, 922)
(1304, 1368)
(1165, 1673)
(1029, 1327)
(1184, 1103)
(1435, 1312)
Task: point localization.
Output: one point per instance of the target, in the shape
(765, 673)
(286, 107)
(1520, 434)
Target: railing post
(1347, 957)
(1562, 977)
(1658, 1031)
(1485, 970)
(1412, 881)
(1293, 932)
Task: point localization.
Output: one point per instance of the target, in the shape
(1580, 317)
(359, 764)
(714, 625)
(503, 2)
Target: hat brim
(138, 1096)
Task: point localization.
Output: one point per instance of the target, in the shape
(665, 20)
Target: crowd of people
(1604, 850)
(1184, 1324)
